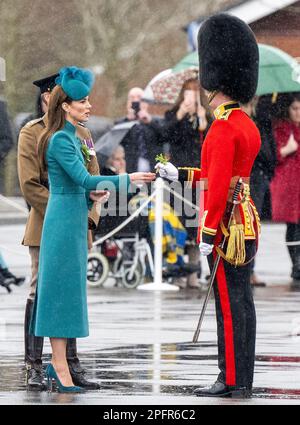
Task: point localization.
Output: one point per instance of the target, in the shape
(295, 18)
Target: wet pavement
(140, 346)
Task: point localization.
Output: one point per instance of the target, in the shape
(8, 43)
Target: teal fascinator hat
(76, 82)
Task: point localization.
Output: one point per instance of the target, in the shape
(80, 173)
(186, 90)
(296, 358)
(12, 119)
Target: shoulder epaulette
(222, 112)
(226, 115)
(33, 122)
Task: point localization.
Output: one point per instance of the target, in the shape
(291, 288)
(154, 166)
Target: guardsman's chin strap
(212, 95)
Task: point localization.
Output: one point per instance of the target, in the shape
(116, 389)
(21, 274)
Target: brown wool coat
(32, 182)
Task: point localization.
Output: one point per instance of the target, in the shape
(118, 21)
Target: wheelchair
(125, 257)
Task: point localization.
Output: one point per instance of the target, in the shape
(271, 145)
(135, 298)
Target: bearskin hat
(228, 57)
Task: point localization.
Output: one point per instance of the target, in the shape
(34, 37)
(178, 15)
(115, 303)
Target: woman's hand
(138, 178)
(183, 110)
(290, 147)
(201, 112)
(100, 196)
(188, 105)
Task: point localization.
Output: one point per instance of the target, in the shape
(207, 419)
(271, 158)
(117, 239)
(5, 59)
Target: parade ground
(140, 347)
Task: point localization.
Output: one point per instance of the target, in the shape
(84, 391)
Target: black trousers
(293, 235)
(236, 321)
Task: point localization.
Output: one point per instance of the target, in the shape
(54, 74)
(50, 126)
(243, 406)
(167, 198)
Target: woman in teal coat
(60, 310)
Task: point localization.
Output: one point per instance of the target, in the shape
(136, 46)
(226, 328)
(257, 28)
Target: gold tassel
(236, 244)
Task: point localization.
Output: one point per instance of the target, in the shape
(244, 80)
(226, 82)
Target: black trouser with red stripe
(236, 321)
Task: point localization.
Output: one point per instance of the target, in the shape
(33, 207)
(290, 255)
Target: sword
(217, 261)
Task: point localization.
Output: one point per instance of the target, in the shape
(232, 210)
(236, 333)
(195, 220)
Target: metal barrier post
(158, 284)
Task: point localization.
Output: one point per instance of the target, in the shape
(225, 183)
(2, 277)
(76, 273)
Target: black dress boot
(218, 389)
(294, 252)
(295, 285)
(33, 354)
(76, 370)
(5, 281)
(14, 279)
(293, 235)
(296, 264)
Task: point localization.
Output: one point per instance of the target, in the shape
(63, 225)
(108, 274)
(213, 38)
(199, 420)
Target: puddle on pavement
(154, 369)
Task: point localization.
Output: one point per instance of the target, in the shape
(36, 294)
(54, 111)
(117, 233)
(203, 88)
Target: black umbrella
(98, 126)
(105, 146)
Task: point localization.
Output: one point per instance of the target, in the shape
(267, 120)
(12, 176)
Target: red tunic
(285, 186)
(229, 150)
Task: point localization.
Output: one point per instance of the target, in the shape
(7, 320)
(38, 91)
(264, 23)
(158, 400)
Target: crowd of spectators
(179, 133)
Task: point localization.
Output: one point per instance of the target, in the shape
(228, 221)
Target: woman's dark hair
(191, 84)
(38, 106)
(265, 109)
(283, 103)
(56, 121)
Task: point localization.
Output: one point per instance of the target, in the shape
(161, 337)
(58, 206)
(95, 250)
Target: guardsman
(228, 58)
(34, 186)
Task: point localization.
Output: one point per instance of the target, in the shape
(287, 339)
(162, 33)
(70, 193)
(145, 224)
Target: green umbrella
(189, 61)
(278, 71)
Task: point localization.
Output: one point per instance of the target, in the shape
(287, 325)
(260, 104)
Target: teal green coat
(60, 308)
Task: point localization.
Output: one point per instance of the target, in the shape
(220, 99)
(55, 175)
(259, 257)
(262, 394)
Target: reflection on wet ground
(140, 349)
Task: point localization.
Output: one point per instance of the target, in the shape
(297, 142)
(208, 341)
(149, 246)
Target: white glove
(205, 248)
(167, 171)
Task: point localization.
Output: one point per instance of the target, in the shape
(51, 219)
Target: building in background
(274, 22)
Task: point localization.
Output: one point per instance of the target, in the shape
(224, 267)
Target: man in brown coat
(34, 186)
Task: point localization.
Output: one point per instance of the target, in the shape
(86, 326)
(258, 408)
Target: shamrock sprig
(162, 159)
(86, 153)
